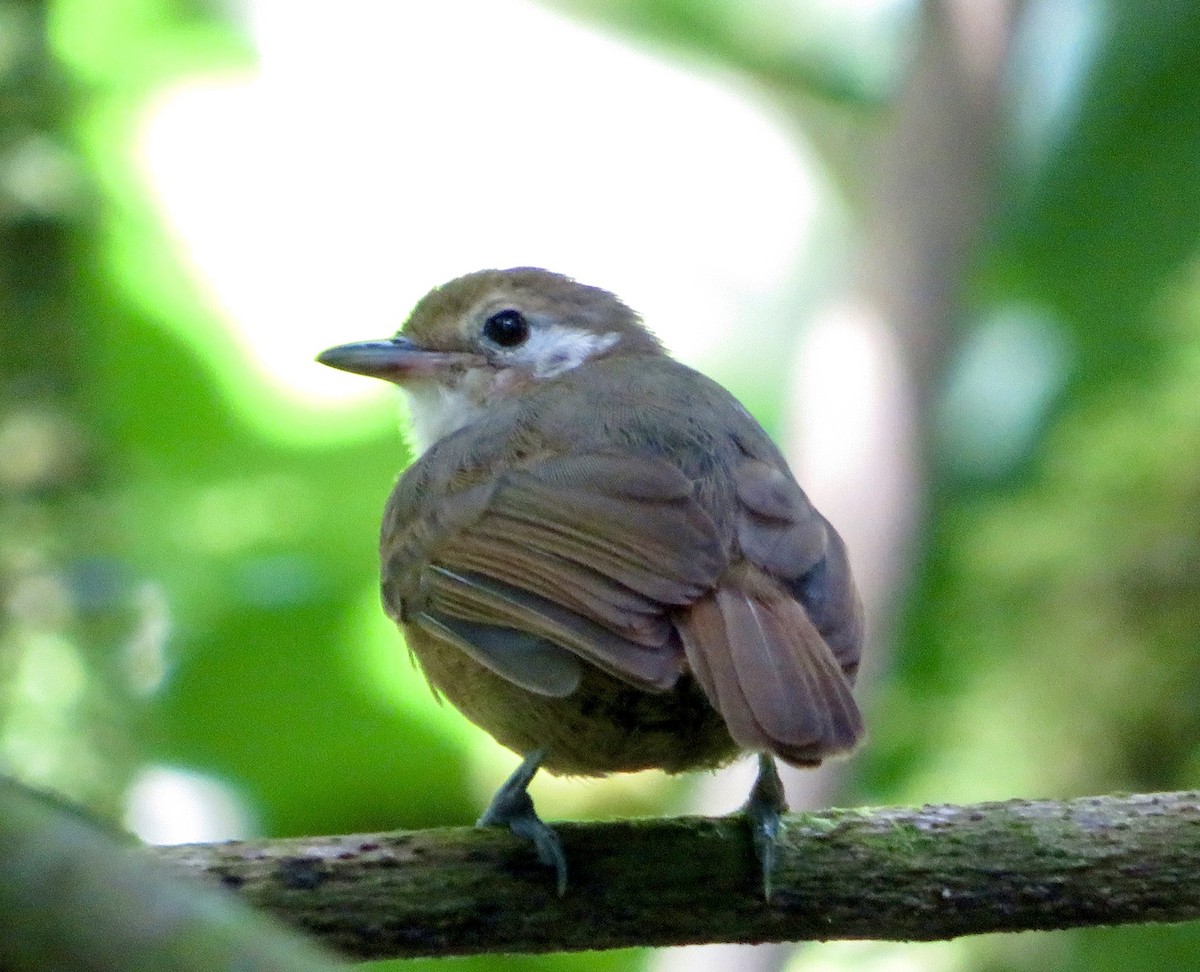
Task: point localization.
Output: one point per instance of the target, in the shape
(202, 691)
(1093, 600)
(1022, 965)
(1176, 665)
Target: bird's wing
(776, 645)
(585, 555)
(780, 532)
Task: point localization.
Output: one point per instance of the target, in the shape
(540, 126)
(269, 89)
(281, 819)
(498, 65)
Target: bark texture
(893, 873)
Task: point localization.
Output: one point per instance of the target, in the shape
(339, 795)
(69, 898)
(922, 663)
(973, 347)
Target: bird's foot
(764, 810)
(512, 807)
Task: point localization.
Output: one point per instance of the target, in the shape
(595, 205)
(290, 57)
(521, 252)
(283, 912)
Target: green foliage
(851, 54)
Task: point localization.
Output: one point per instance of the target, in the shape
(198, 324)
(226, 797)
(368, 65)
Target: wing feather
(486, 601)
(532, 663)
(588, 553)
(778, 528)
(576, 587)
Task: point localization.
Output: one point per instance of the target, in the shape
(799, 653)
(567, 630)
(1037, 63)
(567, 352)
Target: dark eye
(507, 328)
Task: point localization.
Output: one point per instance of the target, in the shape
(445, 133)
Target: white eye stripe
(553, 350)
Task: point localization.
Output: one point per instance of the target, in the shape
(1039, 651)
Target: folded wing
(588, 555)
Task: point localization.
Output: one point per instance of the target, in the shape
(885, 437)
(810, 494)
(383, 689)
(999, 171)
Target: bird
(600, 557)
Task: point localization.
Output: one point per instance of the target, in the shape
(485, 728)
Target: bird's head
(489, 335)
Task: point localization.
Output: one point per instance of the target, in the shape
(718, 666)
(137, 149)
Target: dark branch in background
(899, 874)
(77, 894)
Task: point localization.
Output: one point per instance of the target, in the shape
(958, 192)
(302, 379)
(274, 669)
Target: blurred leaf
(854, 54)
(1101, 212)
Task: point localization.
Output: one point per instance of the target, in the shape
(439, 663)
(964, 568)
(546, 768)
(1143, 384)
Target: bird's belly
(605, 726)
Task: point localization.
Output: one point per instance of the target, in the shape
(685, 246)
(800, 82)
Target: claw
(764, 810)
(512, 807)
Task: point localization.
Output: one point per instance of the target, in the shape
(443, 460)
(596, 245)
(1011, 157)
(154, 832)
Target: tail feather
(767, 670)
(704, 636)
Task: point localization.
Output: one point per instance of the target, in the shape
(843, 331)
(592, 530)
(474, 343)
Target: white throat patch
(437, 409)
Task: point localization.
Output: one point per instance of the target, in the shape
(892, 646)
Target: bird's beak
(396, 359)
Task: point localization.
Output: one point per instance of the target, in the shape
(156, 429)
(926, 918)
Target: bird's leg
(512, 807)
(764, 810)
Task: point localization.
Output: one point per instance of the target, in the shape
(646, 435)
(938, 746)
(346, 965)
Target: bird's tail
(767, 670)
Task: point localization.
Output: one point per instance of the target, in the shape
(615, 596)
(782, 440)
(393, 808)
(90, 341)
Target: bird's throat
(438, 408)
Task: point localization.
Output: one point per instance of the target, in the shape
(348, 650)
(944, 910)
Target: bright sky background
(381, 151)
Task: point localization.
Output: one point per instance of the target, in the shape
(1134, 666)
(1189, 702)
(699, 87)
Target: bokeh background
(945, 251)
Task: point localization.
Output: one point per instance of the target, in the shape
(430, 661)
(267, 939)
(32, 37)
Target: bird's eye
(507, 328)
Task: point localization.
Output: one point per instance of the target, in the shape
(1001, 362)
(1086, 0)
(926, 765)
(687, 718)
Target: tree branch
(894, 873)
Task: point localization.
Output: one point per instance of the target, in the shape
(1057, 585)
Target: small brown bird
(599, 556)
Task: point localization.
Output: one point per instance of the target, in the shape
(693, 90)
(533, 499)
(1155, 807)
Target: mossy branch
(901, 874)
